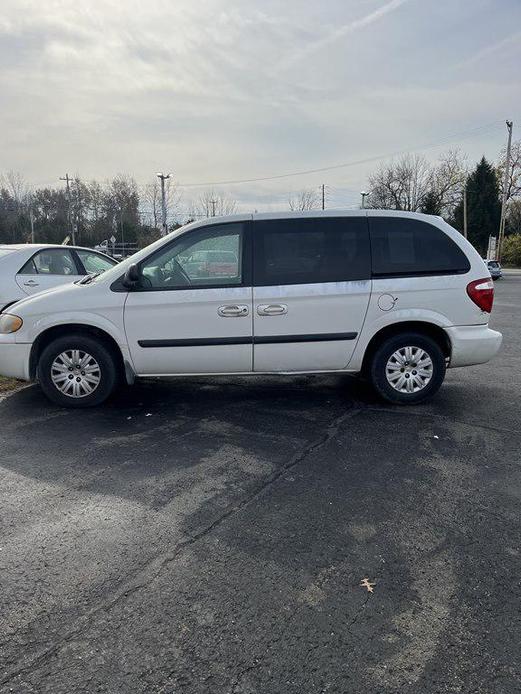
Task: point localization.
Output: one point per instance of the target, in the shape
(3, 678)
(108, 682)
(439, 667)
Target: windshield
(121, 268)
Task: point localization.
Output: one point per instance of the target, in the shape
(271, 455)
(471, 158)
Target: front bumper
(14, 359)
(473, 344)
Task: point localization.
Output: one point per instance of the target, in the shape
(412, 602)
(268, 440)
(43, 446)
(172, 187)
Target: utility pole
(163, 177)
(323, 196)
(465, 230)
(213, 203)
(78, 207)
(70, 230)
(505, 192)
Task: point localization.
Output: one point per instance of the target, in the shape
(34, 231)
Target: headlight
(9, 323)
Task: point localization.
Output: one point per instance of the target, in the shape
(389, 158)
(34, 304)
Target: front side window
(313, 250)
(408, 247)
(94, 262)
(207, 257)
(53, 261)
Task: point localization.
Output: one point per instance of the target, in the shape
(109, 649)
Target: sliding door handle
(272, 309)
(233, 311)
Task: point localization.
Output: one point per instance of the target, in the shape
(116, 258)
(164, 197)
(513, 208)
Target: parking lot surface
(211, 535)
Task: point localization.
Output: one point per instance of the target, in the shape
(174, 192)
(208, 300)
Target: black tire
(377, 369)
(107, 372)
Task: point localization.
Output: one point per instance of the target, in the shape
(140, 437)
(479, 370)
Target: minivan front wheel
(77, 371)
(408, 368)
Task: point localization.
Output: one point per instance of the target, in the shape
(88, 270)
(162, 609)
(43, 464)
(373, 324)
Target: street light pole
(164, 228)
(70, 230)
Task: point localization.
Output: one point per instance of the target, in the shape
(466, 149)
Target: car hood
(61, 298)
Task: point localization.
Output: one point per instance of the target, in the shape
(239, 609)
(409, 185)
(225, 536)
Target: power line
(450, 138)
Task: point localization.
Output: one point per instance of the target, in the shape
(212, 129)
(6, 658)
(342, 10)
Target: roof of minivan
(310, 213)
(342, 213)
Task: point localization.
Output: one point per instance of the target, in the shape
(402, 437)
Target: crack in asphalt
(150, 571)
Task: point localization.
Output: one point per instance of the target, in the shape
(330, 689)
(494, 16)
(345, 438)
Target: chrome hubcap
(409, 369)
(75, 373)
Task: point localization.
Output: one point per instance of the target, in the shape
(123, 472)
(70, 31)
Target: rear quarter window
(409, 247)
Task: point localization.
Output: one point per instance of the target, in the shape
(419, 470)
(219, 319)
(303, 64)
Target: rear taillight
(482, 293)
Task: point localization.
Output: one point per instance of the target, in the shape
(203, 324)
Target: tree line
(96, 210)
(132, 213)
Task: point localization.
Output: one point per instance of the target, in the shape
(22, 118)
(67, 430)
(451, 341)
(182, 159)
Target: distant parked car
(209, 263)
(30, 268)
(494, 268)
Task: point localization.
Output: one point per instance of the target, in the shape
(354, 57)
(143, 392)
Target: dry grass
(7, 384)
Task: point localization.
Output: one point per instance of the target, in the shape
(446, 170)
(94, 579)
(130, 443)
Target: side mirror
(132, 277)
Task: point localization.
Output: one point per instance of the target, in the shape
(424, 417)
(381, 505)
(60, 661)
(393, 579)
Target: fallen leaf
(366, 583)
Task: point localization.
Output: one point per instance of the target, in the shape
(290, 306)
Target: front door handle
(272, 309)
(233, 311)
(31, 283)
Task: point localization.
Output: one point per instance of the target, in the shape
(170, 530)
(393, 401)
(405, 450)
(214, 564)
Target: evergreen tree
(483, 206)
(431, 204)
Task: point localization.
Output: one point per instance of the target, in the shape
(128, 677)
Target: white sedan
(30, 268)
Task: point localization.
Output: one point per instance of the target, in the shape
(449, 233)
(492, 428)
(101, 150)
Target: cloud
(199, 88)
(512, 40)
(344, 30)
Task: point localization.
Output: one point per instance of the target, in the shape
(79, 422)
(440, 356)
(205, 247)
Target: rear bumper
(473, 344)
(14, 360)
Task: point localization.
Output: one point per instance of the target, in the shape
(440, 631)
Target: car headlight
(9, 323)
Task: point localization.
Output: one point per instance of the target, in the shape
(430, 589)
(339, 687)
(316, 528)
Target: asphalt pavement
(212, 536)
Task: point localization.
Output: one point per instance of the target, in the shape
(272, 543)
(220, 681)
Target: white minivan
(396, 296)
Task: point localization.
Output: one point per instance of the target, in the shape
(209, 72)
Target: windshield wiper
(88, 278)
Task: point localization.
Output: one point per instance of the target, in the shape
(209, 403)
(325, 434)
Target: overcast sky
(218, 90)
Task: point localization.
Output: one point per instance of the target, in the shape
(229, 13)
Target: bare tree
(308, 199)
(212, 204)
(449, 176)
(514, 176)
(401, 185)
(411, 183)
(95, 200)
(152, 201)
(17, 188)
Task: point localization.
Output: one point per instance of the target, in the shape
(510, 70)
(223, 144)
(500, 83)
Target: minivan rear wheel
(408, 368)
(77, 371)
